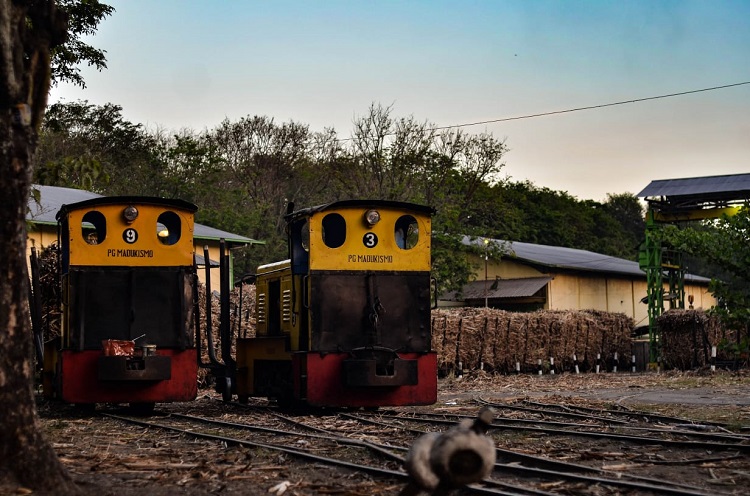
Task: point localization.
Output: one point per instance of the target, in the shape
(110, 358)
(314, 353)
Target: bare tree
(368, 172)
(389, 158)
(480, 161)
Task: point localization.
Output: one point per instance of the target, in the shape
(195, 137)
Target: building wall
(569, 291)
(213, 254)
(40, 237)
(703, 298)
(622, 298)
(609, 294)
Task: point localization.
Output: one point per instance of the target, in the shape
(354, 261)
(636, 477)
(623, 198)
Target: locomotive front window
(94, 227)
(299, 245)
(334, 230)
(304, 235)
(168, 228)
(406, 232)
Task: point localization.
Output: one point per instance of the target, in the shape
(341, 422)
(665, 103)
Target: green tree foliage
(265, 166)
(243, 174)
(92, 147)
(520, 211)
(187, 167)
(725, 243)
(83, 19)
(628, 211)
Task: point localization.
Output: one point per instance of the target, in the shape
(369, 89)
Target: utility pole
(486, 259)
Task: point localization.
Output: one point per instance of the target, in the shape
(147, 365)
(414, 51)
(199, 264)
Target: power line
(577, 109)
(529, 116)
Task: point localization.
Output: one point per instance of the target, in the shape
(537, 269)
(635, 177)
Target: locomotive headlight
(372, 217)
(130, 213)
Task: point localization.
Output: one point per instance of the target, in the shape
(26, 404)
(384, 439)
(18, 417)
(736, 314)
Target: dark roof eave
(506, 299)
(695, 279)
(306, 212)
(144, 200)
(41, 222)
(235, 241)
(568, 268)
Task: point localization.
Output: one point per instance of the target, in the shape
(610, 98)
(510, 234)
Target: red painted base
(325, 387)
(79, 381)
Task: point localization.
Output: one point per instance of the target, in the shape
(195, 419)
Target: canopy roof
(731, 185)
(697, 192)
(505, 288)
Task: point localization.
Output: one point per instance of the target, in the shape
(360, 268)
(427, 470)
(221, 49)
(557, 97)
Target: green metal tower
(675, 201)
(661, 265)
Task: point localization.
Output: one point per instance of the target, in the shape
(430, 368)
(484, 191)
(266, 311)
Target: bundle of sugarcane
(688, 337)
(500, 341)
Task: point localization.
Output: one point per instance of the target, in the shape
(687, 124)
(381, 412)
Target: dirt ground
(105, 461)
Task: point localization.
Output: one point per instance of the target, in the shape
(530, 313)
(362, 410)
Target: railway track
(375, 443)
(671, 438)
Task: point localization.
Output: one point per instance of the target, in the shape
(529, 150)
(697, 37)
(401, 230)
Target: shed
(540, 277)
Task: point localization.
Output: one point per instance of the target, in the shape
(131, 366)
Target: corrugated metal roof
(206, 232)
(569, 258)
(505, 288)
(200, 261)
(52, 198)
(709, 185)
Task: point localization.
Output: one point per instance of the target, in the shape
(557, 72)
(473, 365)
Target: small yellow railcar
(128, 283)
(345, 320)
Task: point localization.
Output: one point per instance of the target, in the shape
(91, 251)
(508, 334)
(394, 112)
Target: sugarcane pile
(505, 342)
(46, 295)
(241, 320)
(688, 336)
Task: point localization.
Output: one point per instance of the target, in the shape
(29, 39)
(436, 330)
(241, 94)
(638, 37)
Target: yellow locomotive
(128, 285)
(345, 320)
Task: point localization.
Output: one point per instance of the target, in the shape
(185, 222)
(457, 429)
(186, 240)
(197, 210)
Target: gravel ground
(106, 458)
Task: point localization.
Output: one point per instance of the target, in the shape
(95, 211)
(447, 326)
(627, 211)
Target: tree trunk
(26, 458)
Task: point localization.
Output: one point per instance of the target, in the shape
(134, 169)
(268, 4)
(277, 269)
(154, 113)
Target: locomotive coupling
(439, 463)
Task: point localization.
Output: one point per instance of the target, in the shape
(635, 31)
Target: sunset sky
(191, 64)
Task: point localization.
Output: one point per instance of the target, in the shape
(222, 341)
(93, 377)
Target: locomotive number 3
(370, 240)
(130, 235)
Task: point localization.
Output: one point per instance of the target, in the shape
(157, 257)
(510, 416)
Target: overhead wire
(590, 107)
(578, 109)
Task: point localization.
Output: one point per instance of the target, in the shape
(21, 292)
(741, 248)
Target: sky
(190, 64)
